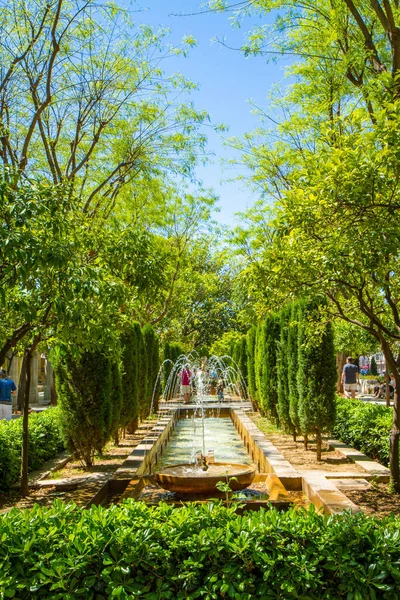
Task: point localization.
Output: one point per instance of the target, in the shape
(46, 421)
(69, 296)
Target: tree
(259, 363)
(282, 360)
(152, 368)
(171, 354)
(265, 365)
(333, 172)
(89, 106)
(116, 400)
(84, 388)
(269, 380)
(250, 350)
(292, 365)
(316, 376)
(243, 361)
(223, 346)
(130, 376)
(374, 368)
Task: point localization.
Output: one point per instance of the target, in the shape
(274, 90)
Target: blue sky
(227, 80)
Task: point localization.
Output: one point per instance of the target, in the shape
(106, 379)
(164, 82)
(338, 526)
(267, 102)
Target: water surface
(220, 435)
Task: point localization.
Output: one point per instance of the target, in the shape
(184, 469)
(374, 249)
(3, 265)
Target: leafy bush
(365, 427)
(206, 551)
(45, 441)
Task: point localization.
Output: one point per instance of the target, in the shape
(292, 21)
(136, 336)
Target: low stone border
(325, 495)
(371, 467)
(59, 465)
(264, 453)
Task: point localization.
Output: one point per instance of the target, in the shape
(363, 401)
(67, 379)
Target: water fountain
(201, 472)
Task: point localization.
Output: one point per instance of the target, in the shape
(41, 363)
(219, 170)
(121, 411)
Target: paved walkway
(370, 399)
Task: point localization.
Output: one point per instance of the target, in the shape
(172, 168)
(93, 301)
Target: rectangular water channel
(234, 439)
(193, 435)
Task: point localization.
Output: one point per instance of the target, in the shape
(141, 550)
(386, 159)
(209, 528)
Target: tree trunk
(387, 389)
(25, 424)
(53, 391)
(340, 362)
(318, 439)
(21, 385)
(395, 431)
(16, 337)
(133, 426)
(305, 441)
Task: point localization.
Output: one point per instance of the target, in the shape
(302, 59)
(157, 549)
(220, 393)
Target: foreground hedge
(45, 441)
(365, 427)
(207, 552)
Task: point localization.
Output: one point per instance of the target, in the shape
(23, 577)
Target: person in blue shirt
(350, 378)
(7, 387)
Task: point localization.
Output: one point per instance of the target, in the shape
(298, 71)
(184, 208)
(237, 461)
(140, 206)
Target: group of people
(351, 381)
(188, 382)
(380, 389)
(7, 388)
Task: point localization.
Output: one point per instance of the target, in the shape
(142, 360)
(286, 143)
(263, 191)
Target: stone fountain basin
(190, 479)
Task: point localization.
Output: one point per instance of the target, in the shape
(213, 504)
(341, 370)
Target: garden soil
(377, 501)
(103, 468)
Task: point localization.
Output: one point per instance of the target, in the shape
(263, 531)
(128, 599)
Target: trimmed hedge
(45, 441)
(205, 551)
(365, 427)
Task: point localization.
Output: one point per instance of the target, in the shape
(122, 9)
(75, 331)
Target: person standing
(350, 378)
(220, 390)
(7, 387)
(185, 376)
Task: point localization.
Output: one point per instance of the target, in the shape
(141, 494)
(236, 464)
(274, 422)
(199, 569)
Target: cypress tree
(269, 375)
(172, 352)
(250, 354)
(116, 399)
(317, 376)
(236, 353)
(258, 364)
(167, 356)
(139, 374)
(374, 367)
(282, 360)
(152, 367)
(176, 351)
(292, 365)
(130, 356)
(84, 386)
(243, 359)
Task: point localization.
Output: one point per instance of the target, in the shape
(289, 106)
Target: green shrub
(205, 551)
(45, 442)
(365, 427)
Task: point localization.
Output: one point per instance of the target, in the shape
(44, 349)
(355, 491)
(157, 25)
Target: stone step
(370, 466)
(351, 484)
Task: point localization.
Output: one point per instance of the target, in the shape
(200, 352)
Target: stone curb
(371, 467)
